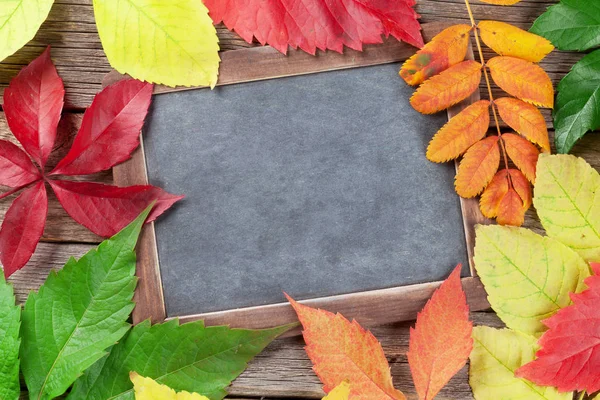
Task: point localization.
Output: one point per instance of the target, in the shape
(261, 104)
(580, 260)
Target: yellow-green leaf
(496, 354)
(567, 202)
(528, 277)
(340, 392)
(19, 22)
(508, 40)
(169, 42)
(149, 389)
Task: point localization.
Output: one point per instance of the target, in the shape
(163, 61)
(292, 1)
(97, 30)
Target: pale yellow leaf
(149, 389)
(340, 392)
(508, 40)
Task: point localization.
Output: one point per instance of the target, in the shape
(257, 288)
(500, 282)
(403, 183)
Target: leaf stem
(582, 395)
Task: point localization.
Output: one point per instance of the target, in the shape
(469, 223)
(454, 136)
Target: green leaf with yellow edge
(496, 354)
(340, 392)
(169, 42)
(149, 389)
(19, 22)
(528, 277)
(567, 203)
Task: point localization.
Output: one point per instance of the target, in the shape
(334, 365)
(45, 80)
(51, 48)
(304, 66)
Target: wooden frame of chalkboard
(370, 307)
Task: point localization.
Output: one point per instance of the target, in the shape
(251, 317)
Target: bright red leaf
(109, 133)
(441, 341)
(569, 357)
(318, 24)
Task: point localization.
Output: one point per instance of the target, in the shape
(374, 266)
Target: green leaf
(188, 357)
(566, 201)
(10, 319)
(496, 354)
(19, 22)
(168, 42)
(571, 24)
(578, 102)
(528, 277)
(78, 313)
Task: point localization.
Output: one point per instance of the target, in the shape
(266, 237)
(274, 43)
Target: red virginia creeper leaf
(105, 209)
(110, 129)
(16, 168)
(569, 357)
(33, 102)
(22, 228)
(441, 341)
(312, 24)
(342, 350)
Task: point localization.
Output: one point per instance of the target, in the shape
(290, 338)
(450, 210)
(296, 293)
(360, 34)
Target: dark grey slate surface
(314, 185)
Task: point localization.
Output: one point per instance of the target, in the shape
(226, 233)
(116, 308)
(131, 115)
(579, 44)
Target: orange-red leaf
(446, 49)
(508, 40)
(522, 79)
(448, 88)
(461, 132)
(510, 210)
(477, 167)
(342, 350)
(522, 153)
(501, 2)
(498, 199)
(441, 341)
(525, 119)
(493, 194)
(522, 187)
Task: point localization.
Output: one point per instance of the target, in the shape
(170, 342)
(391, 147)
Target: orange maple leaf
(522, 153)
(342, 350)
(522, 79)
(525, 119)
(499, 201)
(448, 88)
(441, 341)
(477, 167)
(461, 132)
(446, 49)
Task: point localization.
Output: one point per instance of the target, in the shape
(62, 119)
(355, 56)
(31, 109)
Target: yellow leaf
(501, 2)
(477, 168)
(149, 389)
(567, 200)
(528, 277)
(340, 392)
(19, 22)
(496, 354)
(525, 119)
(168, 42)
(446, 49)
(508, 40)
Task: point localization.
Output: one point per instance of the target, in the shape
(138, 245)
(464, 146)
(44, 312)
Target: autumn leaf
(10, 321)
(498, 200)
(342, 350)
(525, 119)
(340, 392)
(447, 48)
(501, 2)
(461, 132)
(477, 167)
(440, 342)
(109, 133)
(508, 40)
(447, 88)
(568, 358)
(149, 389)
(522, 79)
(522, 153)
(318, 24)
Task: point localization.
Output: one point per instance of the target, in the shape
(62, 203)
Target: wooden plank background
(283, 370)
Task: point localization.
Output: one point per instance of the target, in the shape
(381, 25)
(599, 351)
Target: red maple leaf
(441, 341)
(109, 133)
(322, 24)
(569, 357)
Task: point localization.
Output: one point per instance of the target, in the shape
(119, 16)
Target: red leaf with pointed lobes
(440, 342)
(16, 168)
(105, 209)
(33, 102)
(110, 129)
(569, 357)
(22, 228)
(318, 24)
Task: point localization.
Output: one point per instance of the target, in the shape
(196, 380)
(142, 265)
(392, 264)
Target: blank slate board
(316, 185)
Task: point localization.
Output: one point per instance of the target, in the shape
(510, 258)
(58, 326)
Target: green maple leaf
(10, 319)
(78, 313)
(188, 357)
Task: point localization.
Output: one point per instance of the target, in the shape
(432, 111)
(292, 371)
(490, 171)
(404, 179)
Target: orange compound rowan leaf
(522, 79)
(477, 167)
(447, 48)
(448, 88)
(342, 350)
(525, 119)
(441, 341)
(508, 40)
(501, 2)
(522, 187)
(522, 153)
(498, 199)
(461, 132)
(510, 209)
